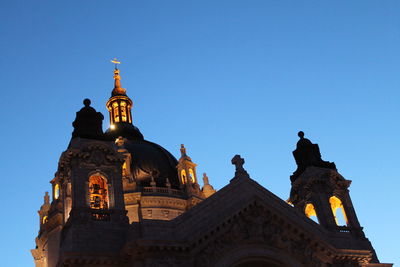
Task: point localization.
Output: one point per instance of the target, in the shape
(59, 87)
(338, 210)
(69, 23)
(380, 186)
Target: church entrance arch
(256, 256)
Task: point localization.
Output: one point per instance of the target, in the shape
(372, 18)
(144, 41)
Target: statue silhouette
(88, 123)
(307, 154)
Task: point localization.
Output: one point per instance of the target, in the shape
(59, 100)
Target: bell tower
(319, 191)
(187, 175)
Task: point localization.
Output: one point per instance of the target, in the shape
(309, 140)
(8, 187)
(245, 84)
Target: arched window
(116, 111)
(340, 218)
(56, 191)
(123, 111)
(44, 220)
(191, 174)
(124, 171)
(98, 191)
(311, 213)
(183, 176)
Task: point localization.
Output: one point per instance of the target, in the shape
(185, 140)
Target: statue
(88, 123)
(307, 154)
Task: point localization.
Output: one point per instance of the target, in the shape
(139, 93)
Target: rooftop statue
(88, 122)
(307, 154)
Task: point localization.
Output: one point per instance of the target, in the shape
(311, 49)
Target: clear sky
(222, 77)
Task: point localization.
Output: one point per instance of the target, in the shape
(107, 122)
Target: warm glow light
(56, 191)
(336, 204)
(191, 174)
(310, 212)
(98, 190)
(183, 176)
(112, 126)
(115, 61)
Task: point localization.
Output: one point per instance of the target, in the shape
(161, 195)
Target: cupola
(119, 107)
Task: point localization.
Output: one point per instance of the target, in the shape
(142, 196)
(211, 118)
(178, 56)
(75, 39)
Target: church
(118, 199)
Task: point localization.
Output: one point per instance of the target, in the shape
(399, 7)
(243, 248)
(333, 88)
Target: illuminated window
(311, 213)
(56, 191)
(44, 220)
(98, 190)
(183, 176)
(124, 172)
(191, 175)
(123, 111)
(340, 218)
(129, 114)
(116, 111)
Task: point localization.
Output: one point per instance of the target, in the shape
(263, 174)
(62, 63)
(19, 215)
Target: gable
(245, 222)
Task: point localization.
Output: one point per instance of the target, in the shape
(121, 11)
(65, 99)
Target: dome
(150, 159)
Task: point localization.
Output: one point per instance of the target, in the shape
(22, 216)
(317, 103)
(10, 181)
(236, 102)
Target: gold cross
(116, 62)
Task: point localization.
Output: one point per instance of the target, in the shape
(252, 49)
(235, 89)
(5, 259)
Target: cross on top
(116, 62)
(238, 161)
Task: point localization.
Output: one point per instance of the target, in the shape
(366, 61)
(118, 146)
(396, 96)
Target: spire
(183, 153)
(46, 198)
(119, 106)
(183, 150)
(118, 90)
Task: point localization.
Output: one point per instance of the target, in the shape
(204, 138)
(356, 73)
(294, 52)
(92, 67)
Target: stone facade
(119, 200)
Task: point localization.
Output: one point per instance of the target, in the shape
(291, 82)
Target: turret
(119, 107)
(319, 191)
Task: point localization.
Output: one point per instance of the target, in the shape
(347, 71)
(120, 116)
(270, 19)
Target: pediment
(244, 215)
(257, 218)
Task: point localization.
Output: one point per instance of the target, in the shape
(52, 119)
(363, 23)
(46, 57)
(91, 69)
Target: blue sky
(223, 78)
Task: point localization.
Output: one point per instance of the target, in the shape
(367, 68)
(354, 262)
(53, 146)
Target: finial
(240, 172)
(116, 62)
(205, 179)
(300, 134)
(118, 90)
(183, 150)
(46, 198)
(207, 190)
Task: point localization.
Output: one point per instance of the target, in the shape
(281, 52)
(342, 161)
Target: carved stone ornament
(302, 188)
(256, 225)
(94, 153)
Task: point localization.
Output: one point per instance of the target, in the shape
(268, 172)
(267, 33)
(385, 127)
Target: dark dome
(150, 159)
(124, 129)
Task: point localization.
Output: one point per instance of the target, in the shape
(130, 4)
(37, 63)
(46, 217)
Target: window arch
(45, 219)
(340, 218)
(56, 191)
(98, 190)
(310, 212)
(183, 176)
(123, 111)
(116, 111)
(191, 175)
